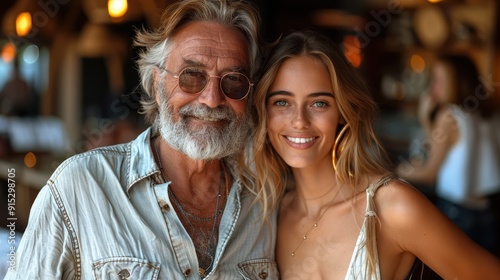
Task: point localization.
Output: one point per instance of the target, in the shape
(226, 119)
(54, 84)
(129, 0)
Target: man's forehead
(210, 40)
(199, 52)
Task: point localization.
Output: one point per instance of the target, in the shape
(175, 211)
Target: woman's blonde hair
(361, 155)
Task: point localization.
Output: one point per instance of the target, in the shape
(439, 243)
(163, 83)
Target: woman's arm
(442, 137)
(413, 224)
(426, 106)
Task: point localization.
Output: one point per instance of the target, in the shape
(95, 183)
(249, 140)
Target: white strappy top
(471, 167)
(357, 267)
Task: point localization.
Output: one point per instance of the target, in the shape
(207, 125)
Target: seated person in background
(347, 215)
(16, 96)
(463, 142)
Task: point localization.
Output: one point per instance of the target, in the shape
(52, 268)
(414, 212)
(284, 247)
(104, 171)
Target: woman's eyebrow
(279, 92)
(319, 94)
(314, 94)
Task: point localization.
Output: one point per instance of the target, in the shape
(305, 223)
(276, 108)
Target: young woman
(343, 215)
(463, 141)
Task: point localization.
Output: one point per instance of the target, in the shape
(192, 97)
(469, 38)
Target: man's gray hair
(156, 43)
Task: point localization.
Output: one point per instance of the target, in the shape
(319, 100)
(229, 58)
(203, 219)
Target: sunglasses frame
(177, 76)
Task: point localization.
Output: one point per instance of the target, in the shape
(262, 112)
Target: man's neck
(190, 178)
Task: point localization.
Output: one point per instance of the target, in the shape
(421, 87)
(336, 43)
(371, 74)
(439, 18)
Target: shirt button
(163, 206)
(263, 275)
(187, 272)
(124, 274)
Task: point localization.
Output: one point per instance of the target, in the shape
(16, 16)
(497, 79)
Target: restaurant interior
(69, 83)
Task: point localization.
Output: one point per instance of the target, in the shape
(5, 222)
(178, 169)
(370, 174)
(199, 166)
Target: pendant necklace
(304, 237)
(208, 254)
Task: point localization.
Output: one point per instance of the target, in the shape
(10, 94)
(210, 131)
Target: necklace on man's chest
(205, 239)
(203, 235)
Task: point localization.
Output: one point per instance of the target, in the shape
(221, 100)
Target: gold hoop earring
(336, 144)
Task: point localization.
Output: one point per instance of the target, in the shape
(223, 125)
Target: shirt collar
(141, 160)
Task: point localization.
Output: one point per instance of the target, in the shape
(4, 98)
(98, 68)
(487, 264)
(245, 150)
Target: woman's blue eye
(280, 103)
(320, 104)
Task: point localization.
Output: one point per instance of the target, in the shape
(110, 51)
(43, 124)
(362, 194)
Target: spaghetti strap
(357, 266)
(372, 188)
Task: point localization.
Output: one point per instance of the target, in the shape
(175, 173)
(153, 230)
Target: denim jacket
(105, 215)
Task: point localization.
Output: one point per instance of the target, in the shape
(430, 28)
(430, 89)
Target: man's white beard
(210, 142)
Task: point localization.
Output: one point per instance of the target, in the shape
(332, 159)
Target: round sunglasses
(194, 80)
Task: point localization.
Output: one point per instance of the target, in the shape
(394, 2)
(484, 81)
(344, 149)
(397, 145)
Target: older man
(174, 203)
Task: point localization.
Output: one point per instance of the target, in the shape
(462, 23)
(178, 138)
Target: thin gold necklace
(321, 196)
(304, 237)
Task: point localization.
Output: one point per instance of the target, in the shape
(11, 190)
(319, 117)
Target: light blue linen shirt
(104, 214)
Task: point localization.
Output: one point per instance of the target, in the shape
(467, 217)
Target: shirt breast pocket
(125, 268)
(259, 269)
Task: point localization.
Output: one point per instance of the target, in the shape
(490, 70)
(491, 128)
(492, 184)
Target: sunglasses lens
(235, 85)
(192, 80)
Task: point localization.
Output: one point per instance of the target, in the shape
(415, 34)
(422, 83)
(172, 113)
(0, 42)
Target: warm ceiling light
(417, 63)
(30, 159)
(434, 1)
(23, 24)
(8, 52)
(352, 50)
(117, 8)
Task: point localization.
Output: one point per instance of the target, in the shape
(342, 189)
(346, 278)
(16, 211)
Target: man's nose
(212, 95)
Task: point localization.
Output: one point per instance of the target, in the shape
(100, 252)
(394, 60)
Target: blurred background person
(16, 96)
(463, 148)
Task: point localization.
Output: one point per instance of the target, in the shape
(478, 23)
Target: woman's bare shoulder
(411, 222)
(400, 203)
